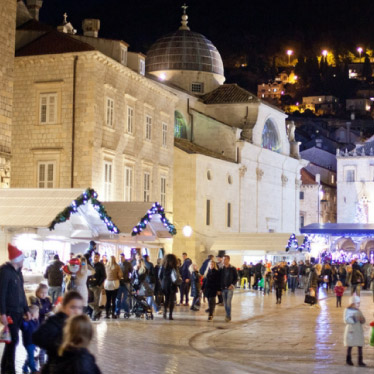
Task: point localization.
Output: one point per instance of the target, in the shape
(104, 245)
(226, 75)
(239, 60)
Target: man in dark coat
(185, 274)
(124, 287)
(96, 284)
(229, 277)
(13, 304)
(204, 266)
(55, 278)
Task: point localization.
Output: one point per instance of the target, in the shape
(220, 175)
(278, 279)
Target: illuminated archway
(180, 126)
(270, 138)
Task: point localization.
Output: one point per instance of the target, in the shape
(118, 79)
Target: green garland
(156, 209)
(88, 195)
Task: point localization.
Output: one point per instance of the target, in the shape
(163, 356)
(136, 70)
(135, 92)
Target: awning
(262, 242)
(339, 229)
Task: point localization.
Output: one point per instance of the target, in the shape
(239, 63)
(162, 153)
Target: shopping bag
(309, 299)
(102, 299)
(371, 337)
(5, 336)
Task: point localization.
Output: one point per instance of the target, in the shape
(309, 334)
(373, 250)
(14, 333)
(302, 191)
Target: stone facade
(102, 138)
(7, 41)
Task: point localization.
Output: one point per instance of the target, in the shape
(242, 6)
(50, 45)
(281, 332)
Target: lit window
(128, 183)
(180, 126)
(164, 134)
(107, 180)
(46, 174)
(48, 108)
(148, 128)
(146, 187)
(163, 192)
(141, 66)
(197, 87)
(270, 138)
(130, 120)
(109, 112)
(320, 99)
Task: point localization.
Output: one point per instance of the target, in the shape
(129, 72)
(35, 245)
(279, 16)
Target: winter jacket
(126, 269)
(167, 286)
(356, 276)
(339, 290)
(212, 283)
(229, 277)
(76, 361)
(195, 284)
(12, 294)
(354, 332)
(294, 270)
(113, 277)
(312, 279)
(28, 328)
(99, 277)
(278, 276)
(150, 272)
(204, 266)
(45, 306)
(49, 337)
(185, 273)
(54, 274)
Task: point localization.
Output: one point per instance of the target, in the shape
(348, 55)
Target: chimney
(91, 27)
(34, 6)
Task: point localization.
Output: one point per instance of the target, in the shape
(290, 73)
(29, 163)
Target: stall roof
(267, 242)
(339, 229)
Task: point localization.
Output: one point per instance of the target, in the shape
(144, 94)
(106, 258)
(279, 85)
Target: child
(49, 334)
(28, 327)
(354, 332)
(43, 302)
(195, 286)
(339, 291)
(74, 357)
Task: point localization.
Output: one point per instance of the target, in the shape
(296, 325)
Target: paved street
(262, 338)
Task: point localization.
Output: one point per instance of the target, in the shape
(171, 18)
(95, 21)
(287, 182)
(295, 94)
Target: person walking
(293, 274)
(339, 292)
(220, 266)
(354, 332)
(55, 277)
(278, 278)
(229, 277)
(150, 283)
(205, 266)
(74, 357)
(211, 287)
(13, 304)
(96, 285)
(312, 282)
(356, 279)
(185, 273)
(81, 277)
(169, 273)
(195, 282)
(124, 287)
(111, 286)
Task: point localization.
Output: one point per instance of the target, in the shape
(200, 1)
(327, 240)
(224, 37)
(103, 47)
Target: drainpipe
(191, 118)
(73, 122)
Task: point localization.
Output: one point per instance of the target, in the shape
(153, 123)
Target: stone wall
(7, 43)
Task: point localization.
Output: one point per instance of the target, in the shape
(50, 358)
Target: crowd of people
(57, 319)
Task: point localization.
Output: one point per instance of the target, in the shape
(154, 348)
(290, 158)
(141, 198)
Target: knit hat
(354, 299)
(15, 255)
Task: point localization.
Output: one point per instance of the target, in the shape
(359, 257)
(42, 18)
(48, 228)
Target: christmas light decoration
(89, 195)
(292, 243)
(306, 245)
(156, 209)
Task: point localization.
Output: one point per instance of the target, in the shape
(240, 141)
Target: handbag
(176, 278)
(309, 299)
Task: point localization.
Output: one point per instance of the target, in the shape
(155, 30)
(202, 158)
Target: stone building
(355, 182)
(7, 41)
(236, 169)
(86, 116)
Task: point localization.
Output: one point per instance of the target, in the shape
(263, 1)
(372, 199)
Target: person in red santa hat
(13, 304)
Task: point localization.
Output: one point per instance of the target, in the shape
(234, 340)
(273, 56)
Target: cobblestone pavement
(262, 338)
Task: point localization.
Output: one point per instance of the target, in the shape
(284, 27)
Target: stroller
(139, 307)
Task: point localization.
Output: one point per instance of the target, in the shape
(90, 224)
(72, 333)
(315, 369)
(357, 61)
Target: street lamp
(359, 50)
(325, 53)
(289, 54)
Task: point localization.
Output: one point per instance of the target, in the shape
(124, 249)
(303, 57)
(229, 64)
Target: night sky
(235, 26)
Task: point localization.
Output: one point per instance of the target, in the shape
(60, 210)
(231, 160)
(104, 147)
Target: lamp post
(325, 53)
(359, 50)
(289, 54)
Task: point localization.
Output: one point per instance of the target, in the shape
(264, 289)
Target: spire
(65, 19)
(184, 18)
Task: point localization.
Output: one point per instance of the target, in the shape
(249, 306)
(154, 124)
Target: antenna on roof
(184, 18)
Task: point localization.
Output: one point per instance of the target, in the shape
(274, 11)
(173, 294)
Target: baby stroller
(140, 306)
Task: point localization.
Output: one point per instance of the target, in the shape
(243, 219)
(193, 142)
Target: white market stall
(43, 222)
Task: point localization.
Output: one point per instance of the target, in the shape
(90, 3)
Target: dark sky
(234, 26)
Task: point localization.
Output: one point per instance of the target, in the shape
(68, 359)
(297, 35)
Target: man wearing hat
(13, 304)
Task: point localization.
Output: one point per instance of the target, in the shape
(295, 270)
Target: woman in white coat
(354, 332)
(81, 279)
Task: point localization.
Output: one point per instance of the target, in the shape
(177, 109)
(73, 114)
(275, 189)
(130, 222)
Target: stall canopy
(71, 213)
(264, 242)
(339, 229)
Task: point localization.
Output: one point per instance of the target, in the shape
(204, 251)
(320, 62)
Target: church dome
(184, 50)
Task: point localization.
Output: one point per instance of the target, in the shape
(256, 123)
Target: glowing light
(289, 52)
(162, 76)
(325, 53)
(187, 231)
(359, 50)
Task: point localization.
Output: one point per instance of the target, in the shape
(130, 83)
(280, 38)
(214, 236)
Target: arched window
(180, 126)
(270, 138)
